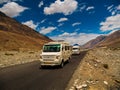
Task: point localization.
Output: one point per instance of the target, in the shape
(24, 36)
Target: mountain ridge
(111, 40)
(15, 36)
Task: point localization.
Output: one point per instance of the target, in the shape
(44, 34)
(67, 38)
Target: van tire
(62, 64)
(41, 67)
(68, 60)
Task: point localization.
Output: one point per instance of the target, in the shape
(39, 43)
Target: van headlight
(57, 57)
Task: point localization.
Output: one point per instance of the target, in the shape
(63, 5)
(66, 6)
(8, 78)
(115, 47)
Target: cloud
(74, 38)
(118, 7)
(62, 19)
(109, 7)
(30, 24)
(47, 30)
(77, 29)
(66, 34)
(75, 24)
(85, 7)
(12, 9)
(89, 8)
(6, 1)
(111, 23)
(40, 4)
(43, 20)
(82, 7)
(114, 9)
(66, 7)
(60, 24)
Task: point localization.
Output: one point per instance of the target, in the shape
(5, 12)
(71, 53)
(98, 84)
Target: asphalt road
(30, 77)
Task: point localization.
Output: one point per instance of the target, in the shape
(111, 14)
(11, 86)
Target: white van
(76, 49)
(55, 53)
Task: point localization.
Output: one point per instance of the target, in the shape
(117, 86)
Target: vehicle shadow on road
(53, 67)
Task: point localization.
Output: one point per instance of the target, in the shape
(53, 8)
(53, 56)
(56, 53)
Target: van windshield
(75, 48)
(51, 48)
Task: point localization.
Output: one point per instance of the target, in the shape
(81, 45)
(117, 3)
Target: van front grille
(48, 57)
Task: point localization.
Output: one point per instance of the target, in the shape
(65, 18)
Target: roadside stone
(72, 88)
(96, 65)
(1, 65)
(84, 85)
(105, 82)
(75, 82)
(78, 87)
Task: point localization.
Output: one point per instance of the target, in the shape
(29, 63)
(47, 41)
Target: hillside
(92, 43)
(112, 40)
(16, 36)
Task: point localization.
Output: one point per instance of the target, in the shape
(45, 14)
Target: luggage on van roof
(76, 45)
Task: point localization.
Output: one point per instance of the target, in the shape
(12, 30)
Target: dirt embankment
(99, 70)
(8, 58)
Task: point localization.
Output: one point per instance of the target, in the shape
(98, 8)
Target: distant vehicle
(55, 53)
(76, 49)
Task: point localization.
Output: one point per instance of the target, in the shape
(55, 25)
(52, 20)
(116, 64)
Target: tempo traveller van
(55, 53)
(76, 49)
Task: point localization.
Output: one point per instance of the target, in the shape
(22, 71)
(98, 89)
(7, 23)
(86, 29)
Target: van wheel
(41, 67)
(62, 64)
(68, 59)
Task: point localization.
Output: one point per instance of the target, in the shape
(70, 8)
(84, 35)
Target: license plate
(47, 62)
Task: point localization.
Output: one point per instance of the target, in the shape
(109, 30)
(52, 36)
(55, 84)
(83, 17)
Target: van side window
(65, 47)
(62, 48)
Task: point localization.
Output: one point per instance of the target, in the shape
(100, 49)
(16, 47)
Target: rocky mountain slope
(98, 70)
(92, 43)
(112, 40)
(16, 36)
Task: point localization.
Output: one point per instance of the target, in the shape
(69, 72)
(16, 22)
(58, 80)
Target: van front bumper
(75, 52)
(50, 63)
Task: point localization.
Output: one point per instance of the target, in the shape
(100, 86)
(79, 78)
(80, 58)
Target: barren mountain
(16, 36)
(95, 41)
(112, 40)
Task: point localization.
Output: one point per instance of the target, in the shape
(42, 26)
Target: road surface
(30, 77)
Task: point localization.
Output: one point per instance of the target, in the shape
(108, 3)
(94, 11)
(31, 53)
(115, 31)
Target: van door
(63, 53)
(66, 53)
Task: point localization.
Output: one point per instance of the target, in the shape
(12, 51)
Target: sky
(75, 21)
